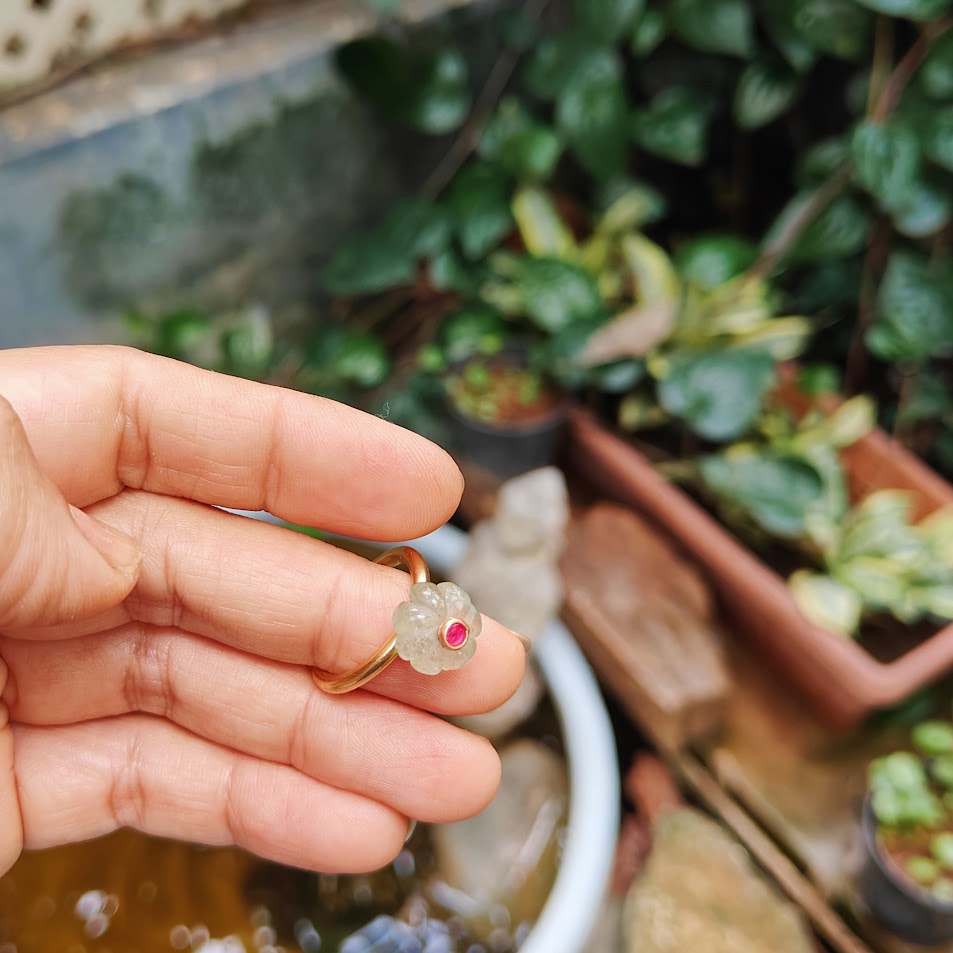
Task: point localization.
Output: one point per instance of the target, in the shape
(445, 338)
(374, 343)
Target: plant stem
(469, 136)
(908, 387)
(880, 68)
(878, 247)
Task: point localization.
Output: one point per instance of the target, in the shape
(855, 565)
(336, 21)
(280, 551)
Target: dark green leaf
(476, 329)
(424, 90)
(419, 226)
(938, 136)
(821, 161)
(778, 18)
(829, 284)
(931, 400)
(936, 73)
(914, 311)
(840, 230)
(633, 203)
(591, 112)
(927, 209)
(886, 161)
(449, 273)
(819, 379)
(557, 293)
(674, 125)
(607, 20)
(520, 30)
(718, 393)
(555, 61)
(911, 9)
(479, 205)
(764, 91)
(777, 492)
(524, 147)
(839, 27)
(617, 377)
(714, 26)
(648, 33)
(366, 264)
(714, 259)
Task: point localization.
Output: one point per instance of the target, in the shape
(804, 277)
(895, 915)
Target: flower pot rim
(908, 887)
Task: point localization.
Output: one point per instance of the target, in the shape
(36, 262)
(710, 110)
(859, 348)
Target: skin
(154, 650)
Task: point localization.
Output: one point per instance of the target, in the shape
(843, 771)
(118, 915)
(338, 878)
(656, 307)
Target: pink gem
(455, 635)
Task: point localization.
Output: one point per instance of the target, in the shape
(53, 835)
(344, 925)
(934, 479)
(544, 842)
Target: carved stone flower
(436, 627)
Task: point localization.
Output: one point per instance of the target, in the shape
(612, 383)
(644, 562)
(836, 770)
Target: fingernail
(524, 641)
(411, 827)
(122, 552)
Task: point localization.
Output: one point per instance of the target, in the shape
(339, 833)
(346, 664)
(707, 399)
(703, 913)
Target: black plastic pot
(904, 908)
(508, 450)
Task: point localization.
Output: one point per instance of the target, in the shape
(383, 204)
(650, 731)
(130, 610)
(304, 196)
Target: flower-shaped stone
(437, 627)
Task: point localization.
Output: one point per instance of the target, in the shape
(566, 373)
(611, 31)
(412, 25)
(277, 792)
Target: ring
(435, 629)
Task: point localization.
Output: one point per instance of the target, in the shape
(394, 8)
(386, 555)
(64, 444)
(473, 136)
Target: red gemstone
(455, 635)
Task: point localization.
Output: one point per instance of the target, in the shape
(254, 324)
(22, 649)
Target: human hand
(152, 647)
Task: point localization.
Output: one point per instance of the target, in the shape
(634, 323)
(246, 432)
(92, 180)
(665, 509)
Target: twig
(469, 136)
(908, 387)
(855, 371)
(880, 68)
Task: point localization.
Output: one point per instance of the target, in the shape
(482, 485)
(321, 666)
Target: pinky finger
(81, 781)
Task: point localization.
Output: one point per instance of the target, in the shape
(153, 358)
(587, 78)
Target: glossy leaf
(648, 33)
(714, 26)
(910, 9)
(822, 160)
(936, 73)
(674, 125)
(711, 260)
(607, 20)
(927, 208)
(555, 61)
(475, 329)
(777, 492)
(480, 208)
(914, 311)
(778, 19)
(362, 360)
(783, 338)
(655, 277)
(764, 92)
(368, 263)
(839, 231)
(839, 27)
(525, 147)
(937, 137)
(886, 161)
(591, 112)
(628, 204)
(540, 225)
(556, 293)
(827, 603)
(718, 393)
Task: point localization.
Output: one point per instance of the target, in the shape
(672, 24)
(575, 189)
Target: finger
(56, 563)
(11, 831)
(270, 591)
(102, 418)
(385, 750)
(86, 780)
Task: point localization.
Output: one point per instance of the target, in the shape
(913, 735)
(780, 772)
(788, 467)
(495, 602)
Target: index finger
(101, 418)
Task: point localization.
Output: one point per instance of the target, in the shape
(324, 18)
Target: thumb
(57, 563)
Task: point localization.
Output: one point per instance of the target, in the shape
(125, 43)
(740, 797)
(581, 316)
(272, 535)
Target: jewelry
(435, 629)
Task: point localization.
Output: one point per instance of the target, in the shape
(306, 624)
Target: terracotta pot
(838, 675)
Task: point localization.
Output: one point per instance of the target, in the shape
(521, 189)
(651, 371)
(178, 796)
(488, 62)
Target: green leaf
(714, 26)
(910, 9)
(937, 136)
(826, 603)
(648, 33)
(362, 360)
(914, 317)
(591, 113)
(655, 278)
(674, 125)
(931, 399)
(557, 293)
(818, 379)
(607, 20)
(520, 30)
(822, 160)
(475, 329)
(777, 492)
(718, 393)
(934, 737)
(839, 27)
(619, 377)
(419, 226)
(711, 260)
(524, 147)
(839, 231)
(365, 264)
(426, 90)
(926, 209)
(886, 161)
(783, 338)
(936, 73)
(555, 61)
(479, 204)
(628, 204)
(448, 272)
(778, 19)
(541, 228)
(941, 846)
(764, 92)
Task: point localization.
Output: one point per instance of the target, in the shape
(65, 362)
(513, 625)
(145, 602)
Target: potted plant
(907, 878)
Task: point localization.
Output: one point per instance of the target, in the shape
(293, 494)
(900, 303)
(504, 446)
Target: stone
(646, 620)
(419, 623)
(510, 567)
(507, 855)
(700, 891)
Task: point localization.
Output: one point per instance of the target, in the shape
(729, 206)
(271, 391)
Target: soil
(506, 395)
(898, 849)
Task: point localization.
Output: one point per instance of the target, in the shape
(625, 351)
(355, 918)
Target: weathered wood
(641, 613)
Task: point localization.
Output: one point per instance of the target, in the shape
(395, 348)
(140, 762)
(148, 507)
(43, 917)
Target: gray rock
(700, 891)
(511, 567)
(507, 856)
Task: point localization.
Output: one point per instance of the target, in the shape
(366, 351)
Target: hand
(153, 648)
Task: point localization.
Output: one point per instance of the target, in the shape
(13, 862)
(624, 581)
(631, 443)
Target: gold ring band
(434, 629)
(416, 565)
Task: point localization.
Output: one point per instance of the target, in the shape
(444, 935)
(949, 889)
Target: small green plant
(499, 393)
(911, 795)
